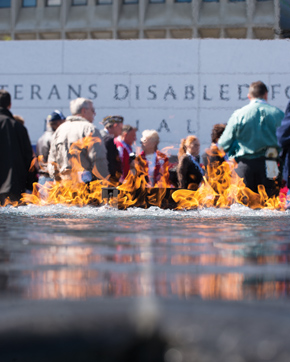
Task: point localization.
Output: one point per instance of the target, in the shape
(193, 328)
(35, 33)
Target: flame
(10, 202)
(220, 188)
(167, 150)
(137, 189)
(33, 164)
(77, 151)
(68, 189)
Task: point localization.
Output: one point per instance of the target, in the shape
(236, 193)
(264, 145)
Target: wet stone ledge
(145, 330)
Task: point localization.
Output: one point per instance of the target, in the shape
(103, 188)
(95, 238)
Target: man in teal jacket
(250, 137)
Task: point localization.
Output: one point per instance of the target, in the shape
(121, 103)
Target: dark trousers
(253, 171)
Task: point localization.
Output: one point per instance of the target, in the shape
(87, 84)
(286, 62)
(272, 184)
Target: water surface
(61, 252)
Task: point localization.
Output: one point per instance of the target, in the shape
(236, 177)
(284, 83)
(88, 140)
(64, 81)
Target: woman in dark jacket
(189, 171)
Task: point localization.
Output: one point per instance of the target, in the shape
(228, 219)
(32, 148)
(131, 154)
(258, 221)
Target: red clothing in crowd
(124, 152)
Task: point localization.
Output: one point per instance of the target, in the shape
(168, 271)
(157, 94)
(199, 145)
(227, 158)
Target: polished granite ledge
(132, 329)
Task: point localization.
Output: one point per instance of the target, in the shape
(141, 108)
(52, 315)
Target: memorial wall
(178, 87)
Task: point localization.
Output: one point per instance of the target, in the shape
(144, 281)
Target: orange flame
(137, 190)
(221, 188)
(166, 150)
(68, 189)
(33, 164)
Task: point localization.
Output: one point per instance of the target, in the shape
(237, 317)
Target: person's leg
(246, 172)
(254, 173)
(43, 179)
(44, 186)
(272, 187)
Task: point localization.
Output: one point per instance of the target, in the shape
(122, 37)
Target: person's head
(83, 107)
(129, 134)
(5, 99)
(217, 131)
(189, 144)
(55, 119)
(113, 125)
(149, 141)
(258, 90)
(18, 119)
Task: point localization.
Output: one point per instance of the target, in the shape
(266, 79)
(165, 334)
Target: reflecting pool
(60, 252)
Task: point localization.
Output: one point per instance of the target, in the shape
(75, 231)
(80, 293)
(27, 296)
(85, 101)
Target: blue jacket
(283, 132)
(283, 137)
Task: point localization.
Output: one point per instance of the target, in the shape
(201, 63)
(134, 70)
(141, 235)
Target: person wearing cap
(152, 162)
(15, 153)
(112, 126)
(77, 151)
(112, 129)
(124, 145)
(53, 121)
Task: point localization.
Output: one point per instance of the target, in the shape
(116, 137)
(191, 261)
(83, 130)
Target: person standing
(19, 118)
(152, 162)
(77, 146)
(251, 132)
(189, 171)
(124, 146)
(283, 136)
(15, 153)
(112, 129)
(53, 121)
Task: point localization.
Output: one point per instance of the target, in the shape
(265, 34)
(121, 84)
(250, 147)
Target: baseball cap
(110, 120)
(55, 116)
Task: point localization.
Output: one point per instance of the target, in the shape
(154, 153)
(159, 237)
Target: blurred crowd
(256, 140)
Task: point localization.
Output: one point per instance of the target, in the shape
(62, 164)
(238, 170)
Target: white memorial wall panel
(178, 87)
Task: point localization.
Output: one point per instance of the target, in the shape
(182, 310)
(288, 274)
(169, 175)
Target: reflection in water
(80, 284)
(61, 256)
(157, 254)
(212, 286)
